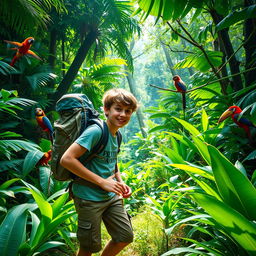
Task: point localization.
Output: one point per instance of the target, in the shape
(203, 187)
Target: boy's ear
(106, 110)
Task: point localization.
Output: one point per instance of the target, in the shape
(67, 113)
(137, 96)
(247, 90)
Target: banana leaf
(234, 223)
(235, 189)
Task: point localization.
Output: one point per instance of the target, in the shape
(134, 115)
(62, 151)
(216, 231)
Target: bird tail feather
(184, 101)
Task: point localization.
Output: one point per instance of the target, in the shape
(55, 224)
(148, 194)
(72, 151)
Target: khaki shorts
(90, 215)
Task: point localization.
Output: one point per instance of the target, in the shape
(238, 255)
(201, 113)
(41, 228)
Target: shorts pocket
(84, 234)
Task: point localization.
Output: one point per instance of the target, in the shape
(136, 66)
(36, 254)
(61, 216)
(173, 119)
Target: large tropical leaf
(6, 146)
(13, 229)
(5, 68)
(31, 160)
(199, 61)
(194, 170)
(168, 9)
(39, 79)
(45, 179)
(189, 127)
(44, 206)
(234, 223)
(236, 16)
(20, 15)
(181, 250)
(236, 189)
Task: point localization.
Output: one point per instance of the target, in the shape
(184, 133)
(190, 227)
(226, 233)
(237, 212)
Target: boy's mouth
(121, 120)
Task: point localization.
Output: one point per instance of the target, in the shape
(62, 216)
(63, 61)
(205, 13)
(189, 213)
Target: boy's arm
(128, 190)
(70, 161)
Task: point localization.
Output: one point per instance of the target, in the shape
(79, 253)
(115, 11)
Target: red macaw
(44, 122)
(45, 158)
(22, 49)
(180, 86)
(234, 112)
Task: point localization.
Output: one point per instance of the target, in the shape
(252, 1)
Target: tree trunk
(74, 68)
(168, 58)
(52, 48)
(139, 114)
(63, 55)
(190, 70)
(250, 46)
(229, 51)
(132, 87)
(218, 46)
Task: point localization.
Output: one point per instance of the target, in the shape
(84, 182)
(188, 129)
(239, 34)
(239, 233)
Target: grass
(148, 238)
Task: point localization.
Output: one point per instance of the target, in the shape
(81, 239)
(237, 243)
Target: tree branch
(203, 85)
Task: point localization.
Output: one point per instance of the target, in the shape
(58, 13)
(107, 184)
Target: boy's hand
(112, 185)
(128, 191)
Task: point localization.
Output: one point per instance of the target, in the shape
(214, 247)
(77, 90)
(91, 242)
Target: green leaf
(157, 128)
(173, 155)
(45, 179)
(49, 245)
(53, 226)
(236, 16)
(199, 217)
(214, 252)
(13, 230)
(35, 221)
(236, 190)
(251, 156)
(159, 115)
(190, 128)
(31, 159)
(181, 250)
(199, 61)
(191, 169)
(7, 184)
(210, 190)
(58, 204)
(204, 121)
(203, 149)
(44, 206)
(234, 223)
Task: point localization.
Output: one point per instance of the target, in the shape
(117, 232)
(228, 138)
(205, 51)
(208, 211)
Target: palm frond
(20, 15)
(11, 164)
(7, 146)
(40, 79)
(6, 69)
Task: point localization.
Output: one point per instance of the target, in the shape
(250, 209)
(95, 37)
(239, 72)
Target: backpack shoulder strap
(119, 140)
(98, 148)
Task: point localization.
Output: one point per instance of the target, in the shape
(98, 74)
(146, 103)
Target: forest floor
(148, 238)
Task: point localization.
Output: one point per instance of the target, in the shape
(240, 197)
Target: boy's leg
(81, 252)
(119, 227)
(89, 222)
(112, 248)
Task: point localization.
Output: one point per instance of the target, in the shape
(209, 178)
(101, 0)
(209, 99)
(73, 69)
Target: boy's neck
(112, 129)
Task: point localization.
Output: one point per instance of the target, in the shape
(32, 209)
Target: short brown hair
(118, 95)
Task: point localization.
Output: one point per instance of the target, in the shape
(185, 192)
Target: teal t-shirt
(104, 165)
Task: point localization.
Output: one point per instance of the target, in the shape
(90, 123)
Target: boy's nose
(122, 113)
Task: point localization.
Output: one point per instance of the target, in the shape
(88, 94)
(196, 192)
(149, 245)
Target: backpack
(76, 113)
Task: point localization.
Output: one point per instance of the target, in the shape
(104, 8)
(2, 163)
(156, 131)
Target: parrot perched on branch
(180, 86)
(44, 122)
(22, 49)
(234, 112)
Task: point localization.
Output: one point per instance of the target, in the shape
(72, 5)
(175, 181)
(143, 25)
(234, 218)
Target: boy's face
(118, 115)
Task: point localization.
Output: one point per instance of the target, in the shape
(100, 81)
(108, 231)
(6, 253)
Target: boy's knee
(124, 238)
(129, 238)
